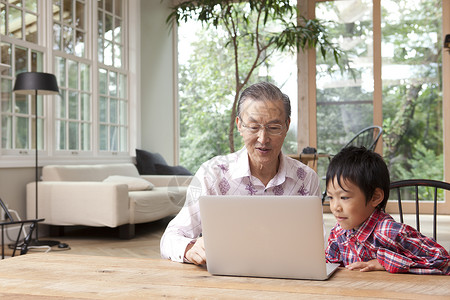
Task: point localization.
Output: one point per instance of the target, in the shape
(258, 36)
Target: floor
(104, 241)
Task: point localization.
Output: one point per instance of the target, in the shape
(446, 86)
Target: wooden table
(68, 276)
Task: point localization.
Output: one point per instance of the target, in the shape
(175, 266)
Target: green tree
(266, 25)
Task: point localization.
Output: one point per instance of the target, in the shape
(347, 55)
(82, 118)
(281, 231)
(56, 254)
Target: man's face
(262, 144)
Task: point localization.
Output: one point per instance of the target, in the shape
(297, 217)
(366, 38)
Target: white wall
(157, 81)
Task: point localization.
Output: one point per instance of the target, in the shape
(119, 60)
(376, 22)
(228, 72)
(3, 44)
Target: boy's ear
(377, 197)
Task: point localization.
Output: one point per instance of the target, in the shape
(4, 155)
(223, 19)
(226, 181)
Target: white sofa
(104, 195)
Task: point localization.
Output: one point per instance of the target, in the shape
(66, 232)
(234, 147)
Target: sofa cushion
(171, 170)
(145, 162)
(134, 183)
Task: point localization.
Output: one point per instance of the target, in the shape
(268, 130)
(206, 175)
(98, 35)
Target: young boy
(366, 238)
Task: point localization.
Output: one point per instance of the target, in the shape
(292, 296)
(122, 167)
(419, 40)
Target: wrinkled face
(348, 204)
(264, 142)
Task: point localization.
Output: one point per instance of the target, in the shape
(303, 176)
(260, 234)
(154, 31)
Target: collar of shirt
(240, 167)
(366, 228)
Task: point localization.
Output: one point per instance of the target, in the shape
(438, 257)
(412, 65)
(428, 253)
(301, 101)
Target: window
(73, 107)
(19, 50)
(69, 26)
(90, 116)
(404, 95)
(113, 104)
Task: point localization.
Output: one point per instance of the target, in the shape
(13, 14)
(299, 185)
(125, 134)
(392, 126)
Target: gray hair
(264, 91)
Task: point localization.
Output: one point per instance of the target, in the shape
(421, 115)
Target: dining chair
(418, 190)
(367, 137)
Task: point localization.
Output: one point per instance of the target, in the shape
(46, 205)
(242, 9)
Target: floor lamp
(37, 83)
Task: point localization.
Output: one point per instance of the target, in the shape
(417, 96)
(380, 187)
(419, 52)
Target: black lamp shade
(29, 83)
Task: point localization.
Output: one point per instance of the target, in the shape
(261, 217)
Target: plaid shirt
(399, 248)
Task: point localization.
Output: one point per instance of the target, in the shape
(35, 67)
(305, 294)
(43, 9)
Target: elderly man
(260, 168)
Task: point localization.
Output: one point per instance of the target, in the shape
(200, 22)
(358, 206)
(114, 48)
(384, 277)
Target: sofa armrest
(80, 203)
(168, 180)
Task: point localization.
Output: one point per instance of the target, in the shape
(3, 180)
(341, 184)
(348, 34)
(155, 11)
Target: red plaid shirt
(399, 248)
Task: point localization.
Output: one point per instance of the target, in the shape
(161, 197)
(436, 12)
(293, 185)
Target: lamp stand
(36, 241)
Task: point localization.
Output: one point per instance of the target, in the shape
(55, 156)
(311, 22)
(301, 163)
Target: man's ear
(377, 197)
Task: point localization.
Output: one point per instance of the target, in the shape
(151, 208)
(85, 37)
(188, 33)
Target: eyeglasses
(272, 129)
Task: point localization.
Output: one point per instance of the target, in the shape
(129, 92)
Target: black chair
(367, 137)
(403, 190)
(24, 245)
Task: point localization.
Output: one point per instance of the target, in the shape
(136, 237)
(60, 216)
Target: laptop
(265, 236)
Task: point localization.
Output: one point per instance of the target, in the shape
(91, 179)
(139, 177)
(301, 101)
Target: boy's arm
(404, 249)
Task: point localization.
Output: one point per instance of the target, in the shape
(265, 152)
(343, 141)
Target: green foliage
(266, 26)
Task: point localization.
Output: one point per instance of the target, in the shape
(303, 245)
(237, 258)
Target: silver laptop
(265, 236)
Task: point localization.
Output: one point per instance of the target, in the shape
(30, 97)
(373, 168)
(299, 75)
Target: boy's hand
(366, 266)
(195, 253)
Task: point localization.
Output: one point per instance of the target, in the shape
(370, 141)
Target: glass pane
(100, 3)
(114, 143)
(37, 60)
(7, 132)
(123, 113)
(108, 54)
(61, 106)
(412, 88)
(118, 31)
(40, 134)
(6, 95)
(113, 111)
(112, 83)
(61, 135)
(100, 27)
(73, 74)
(31, 5)
(57, 36)
(109, 27)
(101, 51)
(31, 28)
(73, 136)
(85, 137)
(73, 105)
(85, 107)
(103, 138)
(123, 139)
(118, 8)
(344, 104)
(103, 109)
(15, 22)
(109, 5)
(21, 105)
(2, 19)
(79, 43)
(122, 86)
(117, 56)
(79, 17)
(67, 12)
(85, 77)
(21, 60)
(57, 10)
(68, 40)
(60, 71)
(6, 57)
(103, 81)
(22, 138)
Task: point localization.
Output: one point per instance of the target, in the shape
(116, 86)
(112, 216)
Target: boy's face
(348, 204)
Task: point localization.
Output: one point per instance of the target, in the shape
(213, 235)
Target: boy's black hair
(362, 167)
